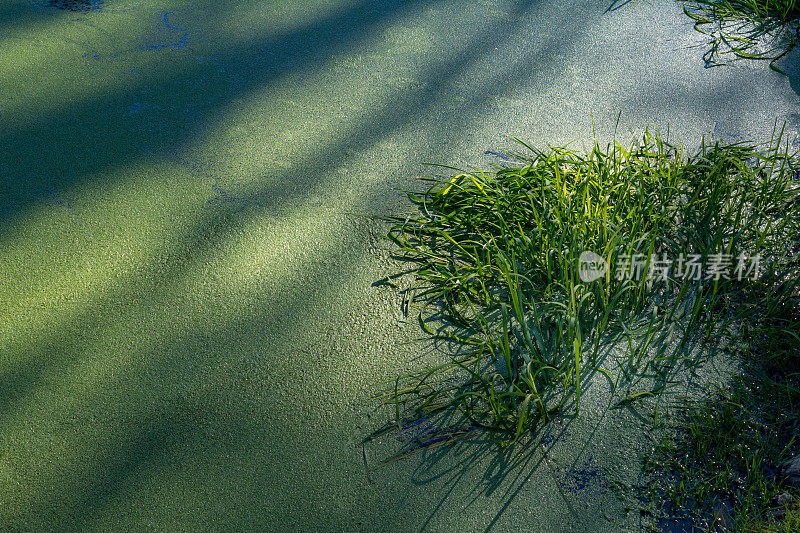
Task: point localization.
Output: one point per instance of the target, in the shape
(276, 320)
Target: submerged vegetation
(77, 5)
(731, 448)
(746, 29)
(613, 262)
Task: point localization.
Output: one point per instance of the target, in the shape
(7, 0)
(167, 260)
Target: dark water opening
(77, 5)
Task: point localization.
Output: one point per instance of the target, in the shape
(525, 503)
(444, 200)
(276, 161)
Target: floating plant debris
(77, 5)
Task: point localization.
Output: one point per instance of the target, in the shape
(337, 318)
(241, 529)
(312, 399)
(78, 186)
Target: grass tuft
(497, 260)
(746, 29)
(732, 446)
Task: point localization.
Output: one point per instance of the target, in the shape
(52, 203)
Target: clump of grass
(729, 453)
(497, 254)
(780, 10)
(731, 446)
(789, 524)
(741, 28)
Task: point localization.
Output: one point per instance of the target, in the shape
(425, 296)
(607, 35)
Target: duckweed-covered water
(190, 327)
